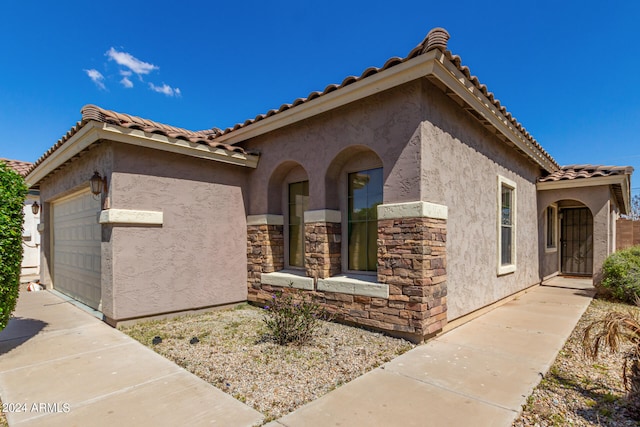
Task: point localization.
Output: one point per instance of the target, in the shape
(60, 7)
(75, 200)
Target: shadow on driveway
(18, 331)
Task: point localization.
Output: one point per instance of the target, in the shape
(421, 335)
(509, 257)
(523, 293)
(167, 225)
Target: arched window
(298, 201)
(364, 196)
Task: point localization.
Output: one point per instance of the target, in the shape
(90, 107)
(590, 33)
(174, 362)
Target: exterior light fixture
(35, 208)
(98, 183)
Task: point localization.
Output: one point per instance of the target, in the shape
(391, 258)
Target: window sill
(550, 250)
(506, 269)
(288, 278)
(352, 284)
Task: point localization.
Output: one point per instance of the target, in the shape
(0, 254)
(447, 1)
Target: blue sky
(566, 70)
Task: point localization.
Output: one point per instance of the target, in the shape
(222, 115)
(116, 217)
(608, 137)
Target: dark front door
(576, 237)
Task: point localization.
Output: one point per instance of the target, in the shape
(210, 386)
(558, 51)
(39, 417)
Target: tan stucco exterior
(197, 216)
(182, 264)
(461, 163)
(599, 201)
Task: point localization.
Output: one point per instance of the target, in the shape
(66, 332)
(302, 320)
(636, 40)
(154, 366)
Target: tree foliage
(13, 191)
(635, 208)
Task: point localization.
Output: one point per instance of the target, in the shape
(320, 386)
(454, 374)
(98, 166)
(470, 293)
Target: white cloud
(132, 63)
(97, 77)
(165, 89)
(126, 82)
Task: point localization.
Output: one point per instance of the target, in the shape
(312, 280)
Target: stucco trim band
(354, 286)
(412, 210)
(127, 216)
(287, 279)
(265, 219)
(323, 215)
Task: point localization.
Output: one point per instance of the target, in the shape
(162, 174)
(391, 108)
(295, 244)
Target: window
(506, 226)
(298, 203)
(365, 194)
(551, 228)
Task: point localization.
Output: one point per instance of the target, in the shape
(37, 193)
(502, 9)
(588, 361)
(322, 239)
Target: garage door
(76, 248)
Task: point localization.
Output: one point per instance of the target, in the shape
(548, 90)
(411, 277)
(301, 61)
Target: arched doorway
(576, 239)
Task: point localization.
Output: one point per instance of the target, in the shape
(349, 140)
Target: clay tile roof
(436, 39)
(19, 166)
(95, 113)
(586, 171)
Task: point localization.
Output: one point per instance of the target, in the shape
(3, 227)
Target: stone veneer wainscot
(411, 263)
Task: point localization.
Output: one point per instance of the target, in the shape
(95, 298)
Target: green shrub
(621, 274)
(12, 193)
(292, 317)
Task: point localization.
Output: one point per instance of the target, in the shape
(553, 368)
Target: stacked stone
(322, 249)
(412, 261)
(265, 254)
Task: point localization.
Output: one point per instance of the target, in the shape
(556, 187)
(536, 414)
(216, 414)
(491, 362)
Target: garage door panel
(77, 248)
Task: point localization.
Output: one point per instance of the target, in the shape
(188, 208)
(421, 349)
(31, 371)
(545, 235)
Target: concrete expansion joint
(71, 356)
(465, 395)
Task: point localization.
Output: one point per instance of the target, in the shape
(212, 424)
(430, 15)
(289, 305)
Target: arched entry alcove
(576, 238)
(567, 238)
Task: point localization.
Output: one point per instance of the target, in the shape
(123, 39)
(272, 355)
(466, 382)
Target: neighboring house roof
(429, 59)
(618, 177)
(19, 166)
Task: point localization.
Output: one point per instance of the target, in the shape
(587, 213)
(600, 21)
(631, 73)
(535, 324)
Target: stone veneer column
(412, 261)
(265, 249)
(322, 248)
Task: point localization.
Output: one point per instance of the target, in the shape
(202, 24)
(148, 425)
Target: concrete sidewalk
(60, 366)
(90, 374)
(479, 374)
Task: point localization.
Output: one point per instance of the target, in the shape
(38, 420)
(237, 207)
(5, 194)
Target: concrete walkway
(478, 374)
(70, 369)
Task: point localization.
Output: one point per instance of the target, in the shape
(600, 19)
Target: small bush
(292, 317)
(12, 193)
(621, 272)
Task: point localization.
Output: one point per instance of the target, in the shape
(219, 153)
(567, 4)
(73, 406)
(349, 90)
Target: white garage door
(76, 248)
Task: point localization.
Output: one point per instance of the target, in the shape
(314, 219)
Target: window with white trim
(551, 228)
(506, 226)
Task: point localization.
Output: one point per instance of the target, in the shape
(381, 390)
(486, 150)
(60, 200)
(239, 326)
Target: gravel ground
(233, 355)
(578, 391)
(3, 418)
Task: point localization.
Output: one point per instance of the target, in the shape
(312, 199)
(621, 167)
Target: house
(30, 233)
(404, 199)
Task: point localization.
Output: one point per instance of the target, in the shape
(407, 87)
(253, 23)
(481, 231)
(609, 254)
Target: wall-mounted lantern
(35, 208)
(98, 183)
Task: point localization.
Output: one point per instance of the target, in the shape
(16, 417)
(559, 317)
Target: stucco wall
(431, 150)
(30, 237)
(597, 199)
(197, 257)
(71, 178)
(387, 123)
(461, 162)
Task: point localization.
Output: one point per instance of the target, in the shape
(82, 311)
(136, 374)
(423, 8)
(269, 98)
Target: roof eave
(432, 64)
(94, 131)
(623, 181)
(381, 81)
(449, 75)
